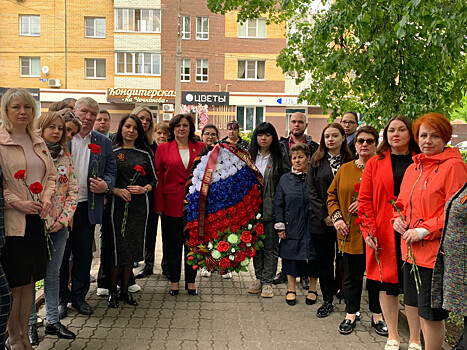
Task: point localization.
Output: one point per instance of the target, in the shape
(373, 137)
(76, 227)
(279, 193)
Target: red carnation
(259, 229)
(239, 256)
(224, 262)
(391, 200)
(195, 267)
(246, 237)
(223, 246)
(358, 221)
(138, 168)
(250, 251)
(399, 205)
(357, 187)
(143, 173)
(190, 258)
(96, 149)
(19, 175)
(36, 188)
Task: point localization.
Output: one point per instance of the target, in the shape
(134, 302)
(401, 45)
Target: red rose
(195, 267)
(96, 149)
(399, 205)
(357, 187)
(239, 256)
(138, 168)
(358, 221)
(259, 229)
(224, 262)
(233, 264)
(254, 240)
(242, 245)
(246, 237)
(223, 246)
(250, 251)
(19, 175)
(36, 188)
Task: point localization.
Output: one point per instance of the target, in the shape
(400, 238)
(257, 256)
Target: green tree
(379, 58)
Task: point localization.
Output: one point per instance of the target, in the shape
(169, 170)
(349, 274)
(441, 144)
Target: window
(30, 25)
(249, 117)
(30, 66)
(136, 20)
(252, 28)
(202, 28)
(185, 69)
(201, 70)
(141, 63)
(251, 70)
(95, 68)
(186, 27)
(94, 27)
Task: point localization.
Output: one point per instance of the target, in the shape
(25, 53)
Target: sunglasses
(368, 141)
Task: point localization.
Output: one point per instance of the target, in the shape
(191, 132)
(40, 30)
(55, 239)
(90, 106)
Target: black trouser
(326, 253)
(354, 269)
(150, 246)
(173, 243)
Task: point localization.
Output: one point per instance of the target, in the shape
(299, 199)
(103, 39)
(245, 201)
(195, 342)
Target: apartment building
(123, 54)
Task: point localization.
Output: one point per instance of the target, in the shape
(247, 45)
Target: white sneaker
(102, 292)
(267, 291)
(227, 276)
(134, 288)
(205, 272)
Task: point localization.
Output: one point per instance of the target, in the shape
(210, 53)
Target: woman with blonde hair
(25, 159)
(145, 116)
(52, 128)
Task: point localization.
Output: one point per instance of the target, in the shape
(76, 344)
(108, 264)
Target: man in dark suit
(92, 190)
(349, 122)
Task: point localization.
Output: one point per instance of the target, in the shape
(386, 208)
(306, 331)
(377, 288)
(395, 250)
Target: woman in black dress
(128, 240)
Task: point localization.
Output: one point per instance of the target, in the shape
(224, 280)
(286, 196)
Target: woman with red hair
(436, 175)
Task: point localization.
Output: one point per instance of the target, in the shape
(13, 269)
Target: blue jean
(51, 280)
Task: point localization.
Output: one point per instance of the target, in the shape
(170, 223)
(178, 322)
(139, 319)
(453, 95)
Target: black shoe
(380, 327)
(290, 302)
(280, 278)
(173, 292)
(112, 302)
(325, 309)
(143, 274)
(82, 307)
(33, 336)
(192, 291)
(62, 309)
(58, 329)
(135, 264)
(305, 282)
(128, 298)
(347, 326)
(309, 301)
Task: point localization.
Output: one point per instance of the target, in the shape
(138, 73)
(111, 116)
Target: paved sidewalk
(222, 316)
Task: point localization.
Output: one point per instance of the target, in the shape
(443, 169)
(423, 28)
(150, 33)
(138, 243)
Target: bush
(464, 156)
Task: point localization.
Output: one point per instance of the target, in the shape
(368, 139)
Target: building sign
(120, 95)
(204, 97)
(34, 92)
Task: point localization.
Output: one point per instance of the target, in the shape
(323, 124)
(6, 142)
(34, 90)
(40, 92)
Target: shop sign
(205, 98)
(34, 92)
(122, 95)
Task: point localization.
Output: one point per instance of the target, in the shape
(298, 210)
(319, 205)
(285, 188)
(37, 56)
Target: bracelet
(146, 190)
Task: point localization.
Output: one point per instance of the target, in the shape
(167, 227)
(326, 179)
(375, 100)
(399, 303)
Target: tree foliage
(379, 58)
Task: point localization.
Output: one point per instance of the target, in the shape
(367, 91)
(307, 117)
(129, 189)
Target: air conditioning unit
(54, 83)
(168, 107)
(167, 116)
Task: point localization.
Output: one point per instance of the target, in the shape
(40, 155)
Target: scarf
(54, 149)
(335, 162)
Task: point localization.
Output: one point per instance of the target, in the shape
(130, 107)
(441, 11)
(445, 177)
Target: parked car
(462, 146)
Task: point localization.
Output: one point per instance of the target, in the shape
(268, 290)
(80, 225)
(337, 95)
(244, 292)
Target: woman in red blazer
(381, 181)
(174, 160)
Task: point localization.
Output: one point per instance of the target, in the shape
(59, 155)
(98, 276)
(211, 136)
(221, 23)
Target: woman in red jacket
(174, 160)
(381, 180)
(436, 175)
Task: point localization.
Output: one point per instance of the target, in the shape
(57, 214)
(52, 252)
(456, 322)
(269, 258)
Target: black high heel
(112, 302)
(128, 298)
(173, 292)
(192, 291)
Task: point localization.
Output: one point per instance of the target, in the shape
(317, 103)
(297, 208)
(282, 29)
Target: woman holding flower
(292, 222)
(265, 151)
(436, 175)
(53, 130)
(126, 215)
(342, 208)
(24, 154)
(380, 181)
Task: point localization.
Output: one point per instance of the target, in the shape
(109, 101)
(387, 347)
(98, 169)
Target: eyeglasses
(348, 122)
(368, 141)
(208, 134)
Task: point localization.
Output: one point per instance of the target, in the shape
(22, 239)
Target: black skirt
(299, 268)
(25, 258)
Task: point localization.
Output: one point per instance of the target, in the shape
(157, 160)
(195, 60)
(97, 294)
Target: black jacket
(318, 181)
(284, 141)
(292, 207)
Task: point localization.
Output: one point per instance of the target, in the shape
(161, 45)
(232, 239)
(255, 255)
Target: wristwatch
(108, 190)
(146, 190)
